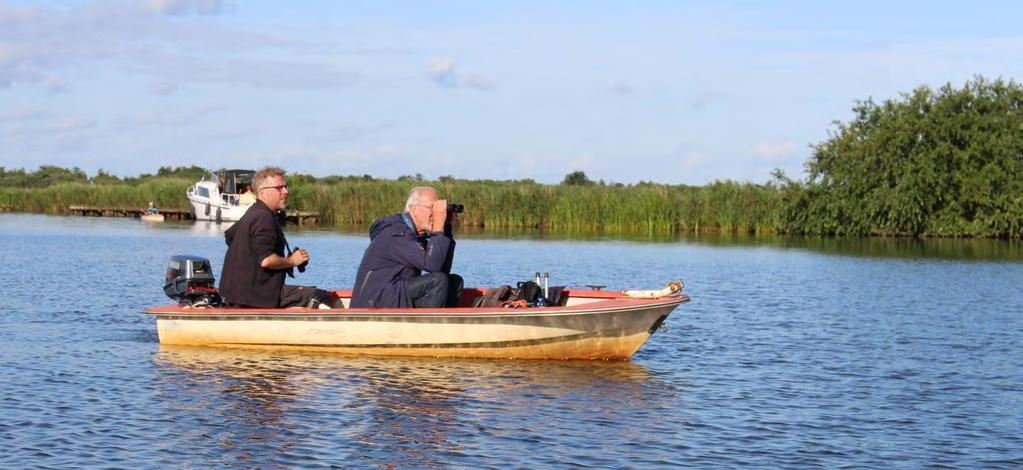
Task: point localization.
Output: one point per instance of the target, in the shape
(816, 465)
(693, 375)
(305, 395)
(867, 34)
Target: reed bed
(56, 199)
(499, 205)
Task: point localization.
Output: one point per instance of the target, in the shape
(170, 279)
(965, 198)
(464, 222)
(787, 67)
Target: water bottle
(541, 300)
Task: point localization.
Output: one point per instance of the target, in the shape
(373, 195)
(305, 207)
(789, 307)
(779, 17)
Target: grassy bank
(645, 207)
(55, 199)
(727, 206)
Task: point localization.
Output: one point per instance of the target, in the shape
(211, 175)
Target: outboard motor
(190, 282)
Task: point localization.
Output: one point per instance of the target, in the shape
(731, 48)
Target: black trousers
(304, 296)
(434, 290)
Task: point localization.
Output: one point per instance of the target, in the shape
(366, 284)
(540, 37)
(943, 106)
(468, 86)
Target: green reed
(646, 207)
(718, 207)
(56, 199)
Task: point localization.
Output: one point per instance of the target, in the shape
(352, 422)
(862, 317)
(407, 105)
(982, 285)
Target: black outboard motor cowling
(190, 281)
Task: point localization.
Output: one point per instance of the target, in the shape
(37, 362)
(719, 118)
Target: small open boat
(592, 324)
(151, 217)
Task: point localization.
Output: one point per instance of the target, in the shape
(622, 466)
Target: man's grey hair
(259, 181)
(416, 195)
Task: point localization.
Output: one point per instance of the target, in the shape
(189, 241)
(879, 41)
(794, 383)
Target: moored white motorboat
(224, 199)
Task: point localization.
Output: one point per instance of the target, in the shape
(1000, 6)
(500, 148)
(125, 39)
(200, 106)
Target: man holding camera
(404, 245)
(255, 263)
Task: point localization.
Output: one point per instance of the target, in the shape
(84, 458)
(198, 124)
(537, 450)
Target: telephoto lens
(456, 208)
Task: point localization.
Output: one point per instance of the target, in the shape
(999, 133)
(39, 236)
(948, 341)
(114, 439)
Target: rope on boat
(673, 289)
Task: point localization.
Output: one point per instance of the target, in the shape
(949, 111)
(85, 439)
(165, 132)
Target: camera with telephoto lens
(301, 267)
(456, 208)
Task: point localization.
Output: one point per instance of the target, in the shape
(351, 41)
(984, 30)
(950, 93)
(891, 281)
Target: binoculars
(301, 267)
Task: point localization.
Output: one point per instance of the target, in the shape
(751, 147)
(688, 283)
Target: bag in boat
(556, 297)
(525, 295)
(531, 292)
(308, 297)
(528, 291)
(495, 297)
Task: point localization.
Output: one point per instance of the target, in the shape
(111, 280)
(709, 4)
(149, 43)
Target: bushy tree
(942, 163)
(188, 172)
(102, 177)
(576, 178)
(44, 176)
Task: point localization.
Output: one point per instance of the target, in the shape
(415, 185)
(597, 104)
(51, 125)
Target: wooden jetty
(294, 217)
(301, 218)
(96, 211)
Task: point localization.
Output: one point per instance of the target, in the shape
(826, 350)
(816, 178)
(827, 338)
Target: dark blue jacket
(394, 255)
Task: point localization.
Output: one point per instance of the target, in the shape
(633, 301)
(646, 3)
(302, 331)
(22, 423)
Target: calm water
(792, 354)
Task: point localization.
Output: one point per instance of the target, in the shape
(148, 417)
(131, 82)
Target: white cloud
(694, 159)
(15, 64)
(703, 99)
(42, 42)
(164, 89)
(442, 72)
(55, 85)
(163, 118)
(283, 74)
(775, 150)
(18, 13)
(478, 82)
(349, 132)
(40, 129)
(23, 115)
(66, 125)
(183, 7)
(364, 160)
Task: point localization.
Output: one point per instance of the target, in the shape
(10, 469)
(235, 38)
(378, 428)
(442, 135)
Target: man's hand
(298, 257)
(440, 215)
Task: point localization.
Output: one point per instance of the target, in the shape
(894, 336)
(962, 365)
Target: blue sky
(673, 91)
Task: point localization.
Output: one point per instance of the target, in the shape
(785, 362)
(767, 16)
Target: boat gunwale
(618, 304)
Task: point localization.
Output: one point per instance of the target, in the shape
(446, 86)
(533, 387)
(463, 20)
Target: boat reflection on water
(207, 228)
(286, 407)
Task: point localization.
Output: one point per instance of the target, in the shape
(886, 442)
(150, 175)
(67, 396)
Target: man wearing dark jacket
(255, 263)
(401, 247)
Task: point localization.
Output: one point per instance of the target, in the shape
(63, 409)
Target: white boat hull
(228, 212)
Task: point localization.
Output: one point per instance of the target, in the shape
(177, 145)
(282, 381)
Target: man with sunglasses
(256, 263)
(401, 247)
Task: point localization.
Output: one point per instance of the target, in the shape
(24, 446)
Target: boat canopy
(235, 181)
